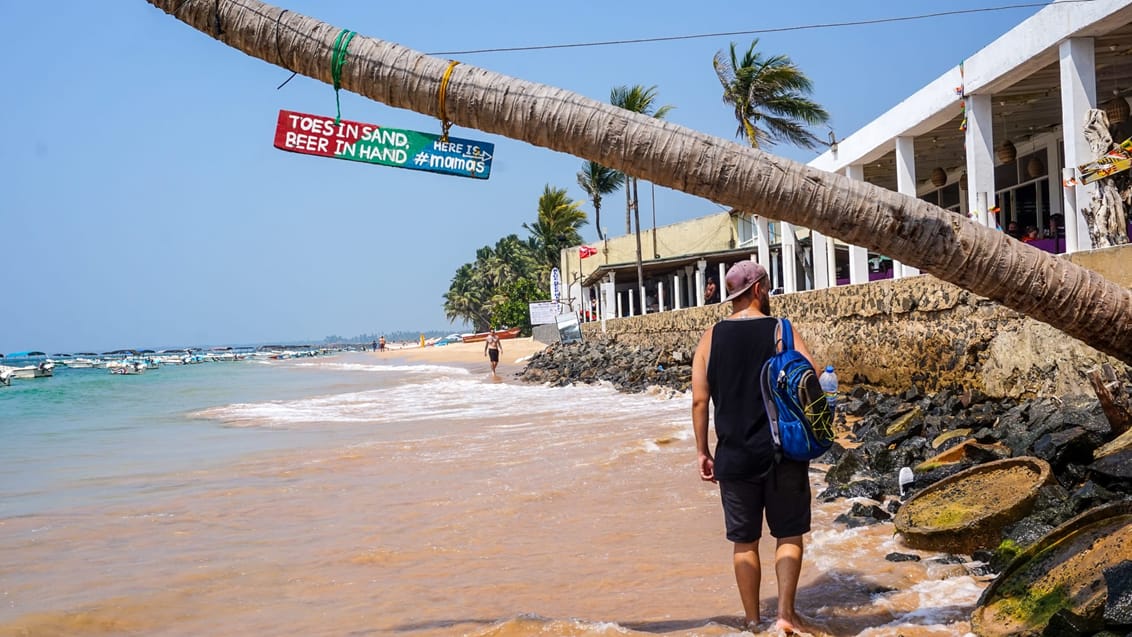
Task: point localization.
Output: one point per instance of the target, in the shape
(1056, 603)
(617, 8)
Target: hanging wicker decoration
(1006, 153)
(939, 177)
(963, 181)
(1116, 109)
(1035, 168)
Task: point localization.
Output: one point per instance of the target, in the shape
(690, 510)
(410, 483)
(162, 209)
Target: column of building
(858, 256)
(1078, 95)
(905, 184)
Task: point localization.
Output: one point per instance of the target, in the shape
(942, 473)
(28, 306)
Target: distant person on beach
(725, 372)
(491, 348)
(381, 343)
(375, 346)
(711, 292)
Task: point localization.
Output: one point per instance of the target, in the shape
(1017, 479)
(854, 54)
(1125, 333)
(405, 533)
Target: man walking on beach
(725, 371)
(492, 349)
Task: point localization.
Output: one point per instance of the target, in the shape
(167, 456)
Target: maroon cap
(741, 277)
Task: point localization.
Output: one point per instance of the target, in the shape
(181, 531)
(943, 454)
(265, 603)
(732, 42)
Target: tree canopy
(770, 97)
(497, 287)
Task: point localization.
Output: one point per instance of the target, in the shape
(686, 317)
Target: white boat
(45, 369)
(127, 368)
(5, 376)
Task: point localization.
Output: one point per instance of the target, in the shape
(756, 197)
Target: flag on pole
(586, 251)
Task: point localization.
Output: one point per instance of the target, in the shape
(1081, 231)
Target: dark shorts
(493, 354)
(783, 494)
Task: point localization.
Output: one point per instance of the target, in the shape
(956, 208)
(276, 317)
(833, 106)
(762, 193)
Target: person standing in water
(492, 348)
(725, 372)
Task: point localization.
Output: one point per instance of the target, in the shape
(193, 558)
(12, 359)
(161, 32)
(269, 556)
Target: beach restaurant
(997, 138)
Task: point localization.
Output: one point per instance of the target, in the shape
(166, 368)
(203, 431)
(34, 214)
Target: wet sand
(515, 353)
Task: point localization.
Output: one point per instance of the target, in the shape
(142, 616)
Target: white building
(993, 138)
(996, 136)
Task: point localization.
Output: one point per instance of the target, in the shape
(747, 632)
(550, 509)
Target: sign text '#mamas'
(357, 141)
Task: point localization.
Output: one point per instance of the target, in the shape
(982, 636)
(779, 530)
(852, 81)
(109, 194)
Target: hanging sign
(373, 144)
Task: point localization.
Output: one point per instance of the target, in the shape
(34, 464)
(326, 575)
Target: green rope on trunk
(337, 61)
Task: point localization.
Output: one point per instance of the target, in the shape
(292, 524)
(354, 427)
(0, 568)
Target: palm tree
(770, 98)
(559, 218)
(597, 181)
(466, 298)
(1071, 298)
(637, 99)
(480, 287)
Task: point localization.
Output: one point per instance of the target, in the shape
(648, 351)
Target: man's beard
(764, 302)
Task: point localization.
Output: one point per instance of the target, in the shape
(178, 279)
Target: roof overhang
(1020, 70)
(654, 267)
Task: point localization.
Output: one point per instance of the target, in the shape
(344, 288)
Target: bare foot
(751, 626)
(795, 625)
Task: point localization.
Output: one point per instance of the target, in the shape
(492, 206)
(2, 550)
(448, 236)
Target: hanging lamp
(1116, 109)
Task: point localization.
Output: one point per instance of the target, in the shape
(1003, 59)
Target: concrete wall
(889, 334)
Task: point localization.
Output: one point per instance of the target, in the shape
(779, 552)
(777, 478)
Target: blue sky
(143, 205)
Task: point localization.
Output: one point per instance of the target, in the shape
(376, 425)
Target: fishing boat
(127, 368)
(480, 337)
(38, 365)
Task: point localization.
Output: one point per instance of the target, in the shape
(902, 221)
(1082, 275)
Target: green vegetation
(496, 288)
(598, 181)
(1007, 550)
(770, 96)
(1031, 606)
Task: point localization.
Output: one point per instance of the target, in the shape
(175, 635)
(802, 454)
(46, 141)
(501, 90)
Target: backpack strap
(787, 336)
(765, 381)
(768, 403)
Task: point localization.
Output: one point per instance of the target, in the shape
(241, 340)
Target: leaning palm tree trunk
(1073, 299)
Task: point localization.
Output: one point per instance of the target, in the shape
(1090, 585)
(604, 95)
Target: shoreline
(513, 358)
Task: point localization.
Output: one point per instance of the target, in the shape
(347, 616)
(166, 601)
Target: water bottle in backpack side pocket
(828, 382)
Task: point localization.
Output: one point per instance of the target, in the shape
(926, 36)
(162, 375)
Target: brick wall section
(889, 334)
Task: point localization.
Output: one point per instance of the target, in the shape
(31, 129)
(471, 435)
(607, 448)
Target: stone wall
(890, 334)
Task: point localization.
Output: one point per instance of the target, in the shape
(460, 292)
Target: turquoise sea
(361, 494)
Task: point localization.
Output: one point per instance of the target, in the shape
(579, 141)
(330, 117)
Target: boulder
(844, 468)
(1118, 605)
(968, 510)
(1066, 623)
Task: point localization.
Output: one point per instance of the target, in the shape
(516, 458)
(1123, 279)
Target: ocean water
(358, 495)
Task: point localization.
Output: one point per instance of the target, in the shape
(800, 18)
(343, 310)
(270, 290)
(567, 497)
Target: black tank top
(739, 347)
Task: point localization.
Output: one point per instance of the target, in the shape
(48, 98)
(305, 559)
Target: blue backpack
(800, 419)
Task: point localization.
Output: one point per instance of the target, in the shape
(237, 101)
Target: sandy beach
(514, 355)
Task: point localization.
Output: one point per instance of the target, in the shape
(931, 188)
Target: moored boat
(127, 368)
(37, 365)
(479, 337)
